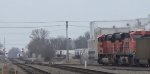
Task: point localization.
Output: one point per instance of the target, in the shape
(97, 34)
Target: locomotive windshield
(125, 35)
(108, 37)
(117, 36)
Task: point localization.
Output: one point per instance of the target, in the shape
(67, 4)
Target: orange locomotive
(119, 48)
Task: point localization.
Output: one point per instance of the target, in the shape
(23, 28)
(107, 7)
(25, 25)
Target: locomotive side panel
(143, 48)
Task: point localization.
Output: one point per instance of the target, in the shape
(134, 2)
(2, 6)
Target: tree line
(42, 44)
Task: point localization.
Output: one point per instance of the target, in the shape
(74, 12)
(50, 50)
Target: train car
(120, 48)
(140, 44)
(143, 51)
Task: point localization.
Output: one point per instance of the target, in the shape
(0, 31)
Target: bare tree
(59, 43)
(40, 44)
(39, 34)
(87, 35)
(82, 41)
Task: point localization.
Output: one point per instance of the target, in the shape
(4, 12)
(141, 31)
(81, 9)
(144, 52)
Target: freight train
(132, 48)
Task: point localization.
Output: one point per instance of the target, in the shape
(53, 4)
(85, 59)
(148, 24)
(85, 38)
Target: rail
(79, 70)
(29, 69)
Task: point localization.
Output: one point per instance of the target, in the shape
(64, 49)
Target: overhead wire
(30, 26)
(62, 21)
(42, 26)
(22, 22)
(29, 33)
(15, 44)
(70, 21)
(79, 26)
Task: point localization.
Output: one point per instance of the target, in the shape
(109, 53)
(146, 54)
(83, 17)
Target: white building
(64, 52)
(81, 51)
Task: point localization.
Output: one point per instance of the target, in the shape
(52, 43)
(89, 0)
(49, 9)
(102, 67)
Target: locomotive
(124, 48)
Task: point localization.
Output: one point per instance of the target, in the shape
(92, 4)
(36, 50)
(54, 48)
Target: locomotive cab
(105, 49)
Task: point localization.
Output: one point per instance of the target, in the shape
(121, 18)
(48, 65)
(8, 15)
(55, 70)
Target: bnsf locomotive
(124, 48)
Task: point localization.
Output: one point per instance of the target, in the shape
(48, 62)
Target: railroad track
(79, 70)
(30, 69)
(63, 67)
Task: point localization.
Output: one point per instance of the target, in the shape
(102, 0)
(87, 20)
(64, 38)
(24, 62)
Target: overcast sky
(62, 10)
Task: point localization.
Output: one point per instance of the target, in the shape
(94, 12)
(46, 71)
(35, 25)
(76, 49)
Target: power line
(31, 26)
(39, 22)
(51, 32)
(79, 26)
(23, 22)
(72, 21)
(57, 30)
(65, 21)
(44, 26)
(16, 44)
(128, 20)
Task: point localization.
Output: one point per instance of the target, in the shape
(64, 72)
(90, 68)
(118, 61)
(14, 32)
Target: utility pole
(4, 46)
(67, 47)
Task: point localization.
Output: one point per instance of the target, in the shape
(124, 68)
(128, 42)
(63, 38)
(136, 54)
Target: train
(130, 48)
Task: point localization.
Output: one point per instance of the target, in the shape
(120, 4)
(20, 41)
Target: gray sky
(62, 10)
